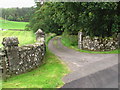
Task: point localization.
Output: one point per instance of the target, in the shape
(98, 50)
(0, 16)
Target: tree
(17, 14)
(93, 18)
(10, 17)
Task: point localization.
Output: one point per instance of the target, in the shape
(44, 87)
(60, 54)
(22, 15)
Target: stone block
(10, 41)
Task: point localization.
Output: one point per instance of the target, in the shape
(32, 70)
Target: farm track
(87, 70)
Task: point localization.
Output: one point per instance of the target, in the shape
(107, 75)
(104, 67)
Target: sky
(16, 3)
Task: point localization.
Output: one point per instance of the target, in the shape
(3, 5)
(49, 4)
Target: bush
(69, 40)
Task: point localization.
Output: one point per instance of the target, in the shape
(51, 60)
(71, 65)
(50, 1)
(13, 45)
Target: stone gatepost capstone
(80, 38)
(11, 49)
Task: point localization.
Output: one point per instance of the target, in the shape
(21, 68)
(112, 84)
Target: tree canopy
(17, 14)
(93, 18)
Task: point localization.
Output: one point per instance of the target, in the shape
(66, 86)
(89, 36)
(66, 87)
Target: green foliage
(49, 37)
(93, 18)
(100, 19)
(10, 17)
(43, 18)
(69, 40)
(17, 14)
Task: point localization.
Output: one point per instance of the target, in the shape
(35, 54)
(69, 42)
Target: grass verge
(48, 75)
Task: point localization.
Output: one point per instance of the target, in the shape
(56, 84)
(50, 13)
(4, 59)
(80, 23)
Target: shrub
(70, 40)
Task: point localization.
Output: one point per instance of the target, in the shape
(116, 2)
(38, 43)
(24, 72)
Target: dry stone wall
(98, 43)
(16, 60)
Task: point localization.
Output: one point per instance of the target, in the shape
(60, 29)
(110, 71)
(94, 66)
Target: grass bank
(48, 75)
(71, 42)
(5, 24)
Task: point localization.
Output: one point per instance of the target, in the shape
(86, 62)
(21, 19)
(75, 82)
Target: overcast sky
(16, 3)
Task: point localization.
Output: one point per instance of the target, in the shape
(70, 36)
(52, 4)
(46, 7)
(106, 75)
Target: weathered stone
(40, 36)
(80, 43)
(10, 41)
(99, 43)
(25, 58)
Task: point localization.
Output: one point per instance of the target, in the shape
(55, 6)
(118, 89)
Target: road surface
(87, 70)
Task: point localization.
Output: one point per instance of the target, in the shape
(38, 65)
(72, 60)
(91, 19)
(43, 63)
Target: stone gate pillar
(40, 36)
(12, 53)
(118, 40)
(80, 38)
(2, 65)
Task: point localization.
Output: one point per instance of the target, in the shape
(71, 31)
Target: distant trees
(17, 14)
(93, 18)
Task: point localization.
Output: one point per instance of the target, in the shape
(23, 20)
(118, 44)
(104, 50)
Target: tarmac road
(87, 70)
